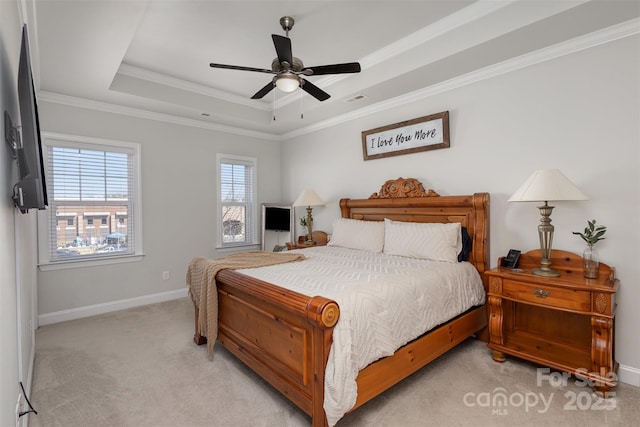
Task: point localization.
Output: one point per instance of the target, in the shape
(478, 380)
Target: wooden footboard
(283, 336)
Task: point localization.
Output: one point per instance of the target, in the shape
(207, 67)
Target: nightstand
(320, 237)
(566, 323)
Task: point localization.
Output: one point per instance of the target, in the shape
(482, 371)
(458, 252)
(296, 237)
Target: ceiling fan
(289, 70)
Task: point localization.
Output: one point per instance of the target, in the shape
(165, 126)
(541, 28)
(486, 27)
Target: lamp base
(545, 272)
(309, 240)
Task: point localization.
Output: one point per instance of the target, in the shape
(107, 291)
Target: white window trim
(59, 139)
(254, 211)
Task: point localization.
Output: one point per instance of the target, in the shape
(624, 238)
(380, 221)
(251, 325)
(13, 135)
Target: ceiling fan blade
(349, 67)
(314, 90)
(265, 90)
(283, 48)
(238, 67)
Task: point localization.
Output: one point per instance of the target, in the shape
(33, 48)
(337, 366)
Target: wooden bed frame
(285, 336)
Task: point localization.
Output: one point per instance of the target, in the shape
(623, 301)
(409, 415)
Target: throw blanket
(201, 280)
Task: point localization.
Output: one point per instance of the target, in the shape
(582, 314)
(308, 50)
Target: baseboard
(92, 310)
(629, 375)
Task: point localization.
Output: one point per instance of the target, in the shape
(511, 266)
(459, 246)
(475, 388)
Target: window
(94, 210)
(236, 200)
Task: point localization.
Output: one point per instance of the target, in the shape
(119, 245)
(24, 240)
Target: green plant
(303, 222)
(592, 234)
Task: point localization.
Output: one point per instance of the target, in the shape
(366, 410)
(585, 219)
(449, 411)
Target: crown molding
(165, 80)
(445, 25)
(149, 115)
(597, 38)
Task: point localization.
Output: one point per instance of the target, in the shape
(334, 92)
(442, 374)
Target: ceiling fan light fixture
(287, 68)
(287, 82)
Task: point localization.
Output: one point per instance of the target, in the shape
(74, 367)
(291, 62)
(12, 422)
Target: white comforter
(385, 301)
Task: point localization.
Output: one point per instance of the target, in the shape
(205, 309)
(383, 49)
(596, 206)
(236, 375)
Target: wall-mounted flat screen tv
(30, 192)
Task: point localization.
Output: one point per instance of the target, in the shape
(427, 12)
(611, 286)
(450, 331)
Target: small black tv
(277, 219)
(30, 192)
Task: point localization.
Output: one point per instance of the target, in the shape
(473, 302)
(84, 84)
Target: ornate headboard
(406, 200)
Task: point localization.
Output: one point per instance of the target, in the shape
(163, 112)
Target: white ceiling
(151, 57)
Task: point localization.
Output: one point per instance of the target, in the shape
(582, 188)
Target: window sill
(238, 248)
(93, 262)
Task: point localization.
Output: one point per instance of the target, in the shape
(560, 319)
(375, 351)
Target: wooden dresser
(566, 323)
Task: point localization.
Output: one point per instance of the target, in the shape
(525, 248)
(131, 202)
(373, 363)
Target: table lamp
(309, 198)
(543, 186)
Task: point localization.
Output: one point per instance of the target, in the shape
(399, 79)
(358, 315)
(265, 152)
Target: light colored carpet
(140, 367)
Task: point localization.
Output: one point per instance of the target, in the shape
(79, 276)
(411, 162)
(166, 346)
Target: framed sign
(411, 136)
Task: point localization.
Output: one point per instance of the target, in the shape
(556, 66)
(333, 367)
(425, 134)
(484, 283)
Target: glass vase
(591, 262)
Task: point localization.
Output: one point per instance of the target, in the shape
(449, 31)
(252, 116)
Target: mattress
(385, 302)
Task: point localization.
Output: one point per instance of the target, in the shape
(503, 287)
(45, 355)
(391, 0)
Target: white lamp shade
(308, 198)
(545, 185)
(287, 82)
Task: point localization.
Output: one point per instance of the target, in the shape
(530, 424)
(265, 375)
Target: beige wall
(578, 113)
(178, 202)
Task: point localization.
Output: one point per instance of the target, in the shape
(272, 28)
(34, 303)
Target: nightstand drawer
(547, 295)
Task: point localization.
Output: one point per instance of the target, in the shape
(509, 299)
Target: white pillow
(434, 241)
(357, 234)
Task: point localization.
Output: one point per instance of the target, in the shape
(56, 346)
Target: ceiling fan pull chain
(274, 105)
(301, 105)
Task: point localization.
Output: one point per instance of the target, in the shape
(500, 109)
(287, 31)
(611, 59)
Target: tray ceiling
(152, 57)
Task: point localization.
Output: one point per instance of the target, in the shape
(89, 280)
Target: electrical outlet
(165, 275)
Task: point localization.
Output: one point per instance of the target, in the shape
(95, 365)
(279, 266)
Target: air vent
(356, 98)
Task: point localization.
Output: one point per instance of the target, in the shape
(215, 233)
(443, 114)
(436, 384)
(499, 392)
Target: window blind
(237, 222)
(92, 193)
